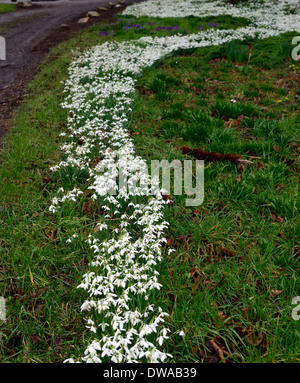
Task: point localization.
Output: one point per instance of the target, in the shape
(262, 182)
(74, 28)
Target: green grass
(39, 271)
(236, 266)
(7, 8)
(237, 52)
(236, 248)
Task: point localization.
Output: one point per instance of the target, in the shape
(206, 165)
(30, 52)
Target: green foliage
(169, 128)
(236, 52)
(234, 110)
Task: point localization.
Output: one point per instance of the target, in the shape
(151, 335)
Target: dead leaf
(274, 293)
(219, 350)
(276, 218)
(171, 296)
(199, 279)
(259, 165)
(185, 240)
(170, 242)
(35, 338)
(245, 312)
(46, 180)
(223, 251)
(221, 315)
(53, 234)
(255, 339)
(96, 228)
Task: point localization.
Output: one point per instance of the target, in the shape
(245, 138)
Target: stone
(121, 1)
(24, 5)
(92, 14)
(83, 20)
(102, 9)
(64, 26)
(112, 5)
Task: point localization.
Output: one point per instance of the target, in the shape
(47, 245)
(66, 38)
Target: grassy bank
(234, 273)
(230, 283)
(7, 8)
(39, 275)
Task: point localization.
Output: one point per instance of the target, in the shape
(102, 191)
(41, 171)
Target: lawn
(7, 8)
(236, 267)
(229, 284)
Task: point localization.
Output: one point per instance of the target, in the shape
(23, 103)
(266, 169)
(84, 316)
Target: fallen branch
(214, 156)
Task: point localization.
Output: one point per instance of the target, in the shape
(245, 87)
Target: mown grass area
(7, 8)
(236, 267)
(234, 253)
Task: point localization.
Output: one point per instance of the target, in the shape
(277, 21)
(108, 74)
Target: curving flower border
(274, 15)
(123, 280)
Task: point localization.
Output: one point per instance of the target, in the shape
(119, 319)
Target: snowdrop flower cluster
(122, 281)
(275, 15)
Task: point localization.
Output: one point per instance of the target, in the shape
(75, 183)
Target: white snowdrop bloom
(160, 340)
(85, 306)
(52, 208)
(71, 360)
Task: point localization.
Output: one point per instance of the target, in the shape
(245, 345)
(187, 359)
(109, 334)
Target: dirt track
(30, 34)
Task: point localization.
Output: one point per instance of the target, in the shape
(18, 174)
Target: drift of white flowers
(275, 15)
(122, 281)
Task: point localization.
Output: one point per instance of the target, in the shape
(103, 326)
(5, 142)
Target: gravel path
(30, 34)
